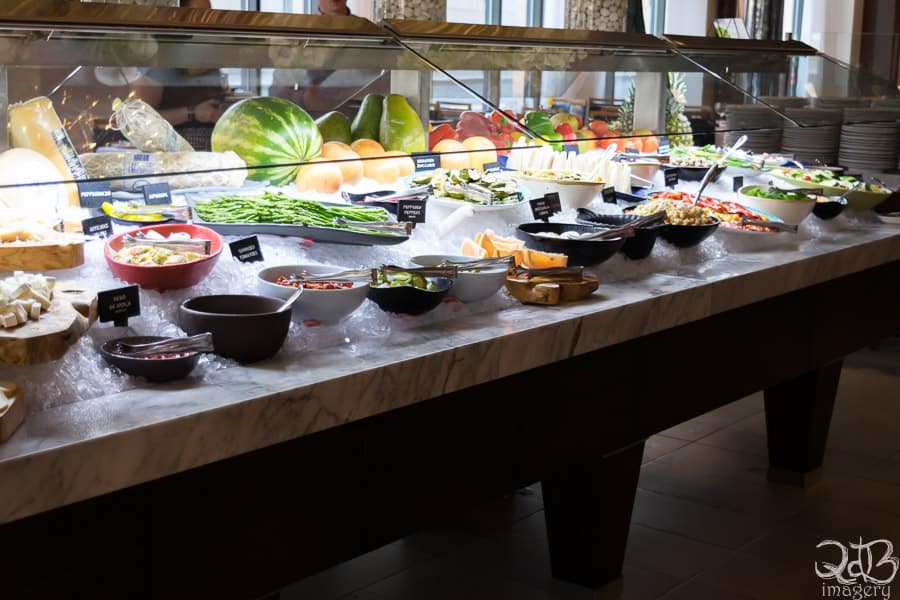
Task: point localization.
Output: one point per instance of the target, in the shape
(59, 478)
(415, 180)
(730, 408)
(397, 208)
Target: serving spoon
(716, 165)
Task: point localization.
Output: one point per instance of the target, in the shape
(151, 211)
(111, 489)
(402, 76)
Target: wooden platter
(11, 415)
(71, 313)
(41, 257)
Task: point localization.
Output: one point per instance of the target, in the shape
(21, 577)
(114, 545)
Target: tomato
(806, 177)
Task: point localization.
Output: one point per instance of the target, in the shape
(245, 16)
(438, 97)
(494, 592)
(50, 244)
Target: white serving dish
(792, 212)
(469, 286)
(572, 194)
(325, 306)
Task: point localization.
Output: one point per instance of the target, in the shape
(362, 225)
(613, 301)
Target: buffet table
(269, 473)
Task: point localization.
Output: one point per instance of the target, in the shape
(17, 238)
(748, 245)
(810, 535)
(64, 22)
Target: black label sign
(426, 161)
(491, 167)
(671, 176)
(411, 211)
(246, 250)
(157, 193)
(571, 148)
(609, 195)
(100, 226)
(543, 208)
(118, 305)
(737, 183)
(91, 194)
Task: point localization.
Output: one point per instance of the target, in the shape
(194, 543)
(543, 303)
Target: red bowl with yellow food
(162, 277)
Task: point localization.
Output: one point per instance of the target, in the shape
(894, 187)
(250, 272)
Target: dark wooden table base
(245, 527)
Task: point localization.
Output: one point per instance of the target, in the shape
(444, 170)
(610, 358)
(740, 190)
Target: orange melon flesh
(534, 259)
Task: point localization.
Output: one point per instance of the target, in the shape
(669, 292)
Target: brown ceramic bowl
(244, 327)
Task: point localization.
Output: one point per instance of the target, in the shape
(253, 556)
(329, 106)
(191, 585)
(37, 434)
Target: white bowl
(792, 212)
(572, 194)
(470, 286)
(325, 306)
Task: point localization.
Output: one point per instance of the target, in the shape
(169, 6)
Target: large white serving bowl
(470, 286)
(325, 306)
(792, 212)
(572, 194)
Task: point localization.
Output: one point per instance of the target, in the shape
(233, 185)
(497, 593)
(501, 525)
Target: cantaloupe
(367, 147)
(319, 175)
(382, 170)
(482, 150)
(329, 148)
(452, 161)
(534, 259)
(470, 248)
(404, 162)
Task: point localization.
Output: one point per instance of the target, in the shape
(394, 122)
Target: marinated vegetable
(472, 185)
(401, 278)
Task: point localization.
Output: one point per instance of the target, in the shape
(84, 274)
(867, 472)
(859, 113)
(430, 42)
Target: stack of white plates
(761, 125)
(869, 139)
(818, 138)
(785, 101)
(886, 103)
(839, 102)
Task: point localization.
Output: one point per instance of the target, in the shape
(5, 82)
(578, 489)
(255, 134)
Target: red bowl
(166, 277)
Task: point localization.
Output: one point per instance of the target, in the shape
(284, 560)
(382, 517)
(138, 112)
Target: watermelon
(268, 131)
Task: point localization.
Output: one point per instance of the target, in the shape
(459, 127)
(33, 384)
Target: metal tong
(626, 230)
(508, 261)
(202, 342)
(182, 213)
(555, 273)
(192, 245)
(401, 228)
(718, 165)
(389, 195)
(806, 191)
(777, 225)
(451, 271)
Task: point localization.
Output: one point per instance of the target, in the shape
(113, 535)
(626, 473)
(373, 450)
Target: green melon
(271, 133)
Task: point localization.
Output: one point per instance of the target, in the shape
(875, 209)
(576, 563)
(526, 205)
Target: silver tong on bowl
(202, 342)
(484, 263)
(192, 245)
(389, 195)
(399, 228)
(626, 230)
(776, 225)
(451, 271)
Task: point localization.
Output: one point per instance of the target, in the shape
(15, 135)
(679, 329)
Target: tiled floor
(707, 523)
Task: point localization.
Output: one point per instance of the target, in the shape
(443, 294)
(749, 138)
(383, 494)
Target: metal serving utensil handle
(391, 226)
(202, 342)
(770, 224)
(451, 271)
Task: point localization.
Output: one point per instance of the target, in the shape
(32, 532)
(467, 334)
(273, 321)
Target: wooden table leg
(588, 513)
(798, 415)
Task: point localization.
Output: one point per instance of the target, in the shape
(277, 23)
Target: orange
(534, 259)
(482, 150)
(367, 147)
(470, 248)
(452, 161)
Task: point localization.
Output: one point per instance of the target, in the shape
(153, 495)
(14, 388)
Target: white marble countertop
(84, 449)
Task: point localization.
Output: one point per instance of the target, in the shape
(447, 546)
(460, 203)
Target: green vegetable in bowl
(769, 192)
(401, 278)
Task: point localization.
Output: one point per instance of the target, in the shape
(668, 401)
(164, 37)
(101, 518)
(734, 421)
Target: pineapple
(676, 122)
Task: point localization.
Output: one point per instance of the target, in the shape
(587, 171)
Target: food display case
(248, 261)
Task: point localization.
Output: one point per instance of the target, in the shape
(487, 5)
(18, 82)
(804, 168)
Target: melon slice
(534, 259)
(470, 248)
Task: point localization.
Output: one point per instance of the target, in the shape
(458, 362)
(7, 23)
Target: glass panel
(472, 11)
(514, 12)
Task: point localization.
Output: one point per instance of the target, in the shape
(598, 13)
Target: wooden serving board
(12, 416)
(41, 257)
(71, 313)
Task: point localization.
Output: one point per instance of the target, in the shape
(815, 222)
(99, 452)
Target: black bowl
(636, 247)
(697, 173)
(830, 209)
(406, 299)
(685, 236)
(584, 253)
(244, 327)
(153, 369)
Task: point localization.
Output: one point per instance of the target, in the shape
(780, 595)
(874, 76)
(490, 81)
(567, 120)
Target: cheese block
(12, 409)
(35, 125)
(117, 164)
